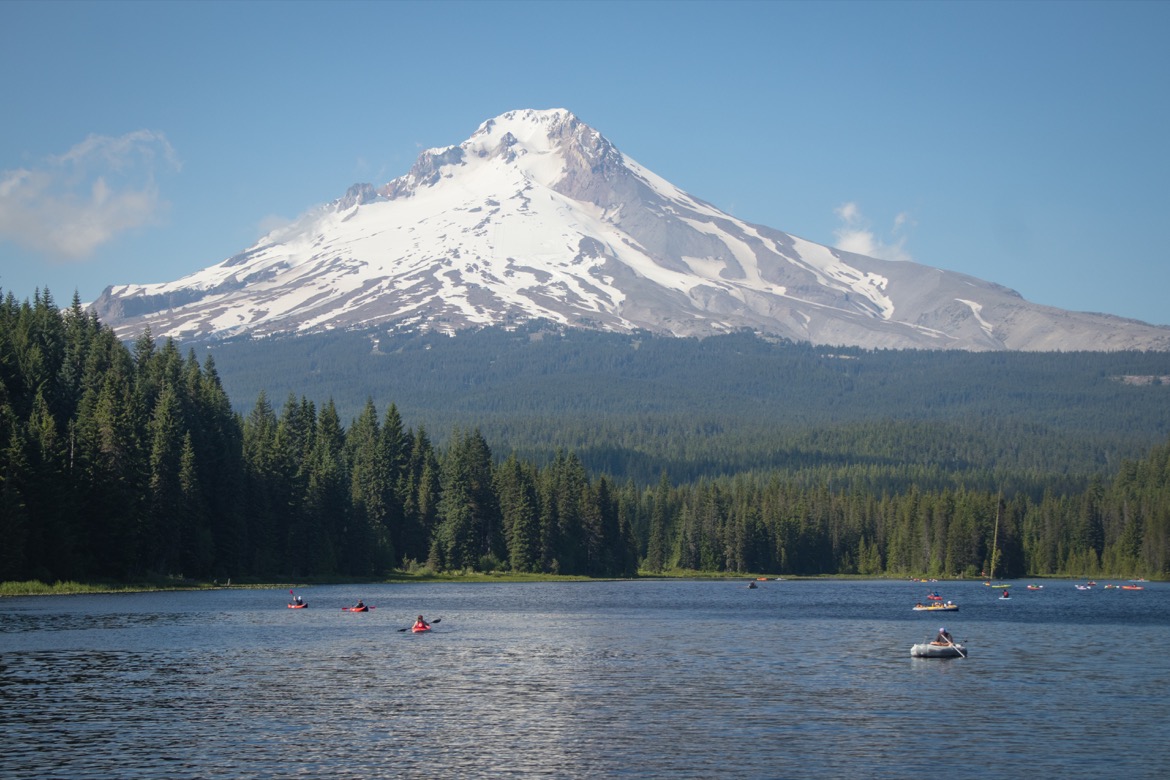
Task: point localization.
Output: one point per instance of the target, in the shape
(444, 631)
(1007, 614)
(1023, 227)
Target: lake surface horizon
(639, 678)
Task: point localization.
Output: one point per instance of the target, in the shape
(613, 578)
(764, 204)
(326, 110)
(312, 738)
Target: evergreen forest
(613, 456)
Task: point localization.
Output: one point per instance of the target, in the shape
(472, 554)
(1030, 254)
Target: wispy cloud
(855, 234)
(70, 204)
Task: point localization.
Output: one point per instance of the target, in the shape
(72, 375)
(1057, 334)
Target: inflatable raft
(937, 650)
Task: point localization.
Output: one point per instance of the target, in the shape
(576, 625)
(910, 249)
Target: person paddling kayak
(420, 625)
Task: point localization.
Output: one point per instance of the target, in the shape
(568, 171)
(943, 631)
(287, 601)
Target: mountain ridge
(537, 216)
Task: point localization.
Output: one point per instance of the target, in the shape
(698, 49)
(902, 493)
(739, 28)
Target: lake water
(793, 679)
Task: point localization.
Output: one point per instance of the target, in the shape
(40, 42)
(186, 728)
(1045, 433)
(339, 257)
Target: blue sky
(1024, 143)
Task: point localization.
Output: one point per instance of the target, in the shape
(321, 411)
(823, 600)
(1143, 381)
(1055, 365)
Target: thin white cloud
(855, 234)
(73, 203)
(272, 223)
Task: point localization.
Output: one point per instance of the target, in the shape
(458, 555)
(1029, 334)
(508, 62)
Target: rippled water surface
(640, 679)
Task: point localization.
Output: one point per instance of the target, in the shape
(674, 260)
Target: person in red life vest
(420, 624)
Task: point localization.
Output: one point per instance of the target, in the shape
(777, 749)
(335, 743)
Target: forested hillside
(127, 462)
(634, 407)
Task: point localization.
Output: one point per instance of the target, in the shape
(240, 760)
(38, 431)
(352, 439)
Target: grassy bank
(38, 588)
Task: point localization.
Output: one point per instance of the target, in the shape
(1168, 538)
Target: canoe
(932, 650)
(947, 607)
(297, 606)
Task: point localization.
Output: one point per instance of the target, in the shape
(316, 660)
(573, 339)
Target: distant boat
(995, 548)
(1035, 587)
(1132, 587)
(948, 606)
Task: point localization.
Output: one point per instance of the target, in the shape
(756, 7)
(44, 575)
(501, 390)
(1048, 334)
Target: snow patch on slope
(977, 309)
(831, 271)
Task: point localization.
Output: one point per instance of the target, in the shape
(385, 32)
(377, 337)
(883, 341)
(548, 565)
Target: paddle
(433, 622)
(958, 649)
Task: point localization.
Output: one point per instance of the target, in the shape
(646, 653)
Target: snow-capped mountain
(538, 216)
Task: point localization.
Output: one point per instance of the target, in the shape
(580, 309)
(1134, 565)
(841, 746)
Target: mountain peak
(537, 216)
(529, 126)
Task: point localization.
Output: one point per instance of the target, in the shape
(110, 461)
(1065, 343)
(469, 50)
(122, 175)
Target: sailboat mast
(995, 539)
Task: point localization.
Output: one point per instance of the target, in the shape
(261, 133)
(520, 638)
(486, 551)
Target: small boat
(362, 608)
(937, 650)
(302, 605)
(420, 629)
(948, 606)
(1132, 587)
(1084, 587)
(1035, 587)
(934, 596)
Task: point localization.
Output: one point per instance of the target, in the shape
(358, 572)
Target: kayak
(355, 609)
(297, 606)
(937, 650)
(1035, 587)
(947, 607)
(420, 629)
(1132, 587)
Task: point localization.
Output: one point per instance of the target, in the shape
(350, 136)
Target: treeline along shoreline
(123, 462)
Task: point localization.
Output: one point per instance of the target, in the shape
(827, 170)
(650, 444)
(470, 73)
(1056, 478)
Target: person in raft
(420, 624)
(944, 637)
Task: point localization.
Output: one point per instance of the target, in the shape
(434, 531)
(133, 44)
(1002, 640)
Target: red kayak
(355, 609)
(420, 629)
(297, 606)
